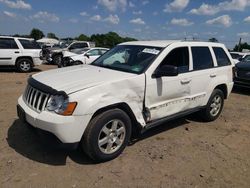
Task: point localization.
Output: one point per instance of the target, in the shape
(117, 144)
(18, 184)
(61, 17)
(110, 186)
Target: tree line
(109, 39)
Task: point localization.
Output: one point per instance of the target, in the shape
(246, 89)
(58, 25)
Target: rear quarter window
(29, 44)
(202, 58)
(221, 57)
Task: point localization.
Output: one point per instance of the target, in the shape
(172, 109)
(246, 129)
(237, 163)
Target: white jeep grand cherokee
(135, 84)
(23, 53)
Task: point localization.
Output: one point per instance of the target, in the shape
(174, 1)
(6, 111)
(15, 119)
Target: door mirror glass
(165, 70)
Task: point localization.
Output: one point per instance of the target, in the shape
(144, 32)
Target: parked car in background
(81, 56)
(134, 86)
(239, 56)
(246, 59)
(242, 76)
(236, 56)
(23, 53)
(56, 53)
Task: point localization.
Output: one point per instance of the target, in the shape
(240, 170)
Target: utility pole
(239, 45)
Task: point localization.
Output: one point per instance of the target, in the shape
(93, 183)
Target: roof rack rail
(191, 39)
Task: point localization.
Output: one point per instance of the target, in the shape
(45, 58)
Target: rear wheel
(24, 65)
(214, 106)
(107, 135)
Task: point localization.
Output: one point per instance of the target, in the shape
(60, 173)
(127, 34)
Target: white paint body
(95, 88)
(86, 57)
(9, 56)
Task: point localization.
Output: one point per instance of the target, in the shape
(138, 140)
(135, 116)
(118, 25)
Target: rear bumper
(37, 61)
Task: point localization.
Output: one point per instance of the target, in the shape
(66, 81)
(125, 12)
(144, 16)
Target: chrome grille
(35, 99)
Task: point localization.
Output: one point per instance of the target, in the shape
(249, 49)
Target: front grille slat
(36, 99)
(39, 101)
(45, 101)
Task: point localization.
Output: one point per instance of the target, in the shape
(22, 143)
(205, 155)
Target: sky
(226, 20)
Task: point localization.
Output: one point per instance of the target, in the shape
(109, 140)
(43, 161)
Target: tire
(107, 135)
(24, 65)
(214, 106)
(58, 60)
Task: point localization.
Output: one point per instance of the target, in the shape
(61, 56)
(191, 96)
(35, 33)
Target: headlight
(60, 105)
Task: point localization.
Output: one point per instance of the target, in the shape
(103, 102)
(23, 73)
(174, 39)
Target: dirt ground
(181, 153)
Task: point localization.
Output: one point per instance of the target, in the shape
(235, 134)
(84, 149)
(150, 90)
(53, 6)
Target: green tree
(241, 47)
(213, 40)
(36, 34)
(82, 37)
(52, 36)
(109, 39)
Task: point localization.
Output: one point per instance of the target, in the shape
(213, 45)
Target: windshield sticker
(151, 51)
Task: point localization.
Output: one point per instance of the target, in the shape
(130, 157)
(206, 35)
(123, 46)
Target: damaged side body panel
(129, 91)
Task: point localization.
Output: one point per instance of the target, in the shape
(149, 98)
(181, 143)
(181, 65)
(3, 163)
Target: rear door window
(202, 58)
(8, 43)
(221, 57)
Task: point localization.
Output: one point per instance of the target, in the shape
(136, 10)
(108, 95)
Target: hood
(76, 78)
(68, 54)
(243, 66)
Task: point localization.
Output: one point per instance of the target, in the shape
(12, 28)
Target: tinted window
(221, 56)
(83, 45)
(29, 44)
(78, 45)
(202, 58)
(178, 57)
(6, 43)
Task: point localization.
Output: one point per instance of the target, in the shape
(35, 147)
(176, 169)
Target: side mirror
(165, 70)
(240, 59)
(87, 55)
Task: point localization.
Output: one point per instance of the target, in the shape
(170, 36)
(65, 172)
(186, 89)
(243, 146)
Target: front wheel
(58, 60)
(214, 106)
(107, 135)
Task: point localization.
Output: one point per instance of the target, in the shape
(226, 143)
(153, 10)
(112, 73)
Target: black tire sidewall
(208, 116)
(92, 133)
(19, 63)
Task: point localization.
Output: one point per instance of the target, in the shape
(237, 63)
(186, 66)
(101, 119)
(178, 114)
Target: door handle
(212, 75)
(185, 81)
(16, 52)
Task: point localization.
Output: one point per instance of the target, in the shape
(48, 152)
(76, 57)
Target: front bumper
(68, 129)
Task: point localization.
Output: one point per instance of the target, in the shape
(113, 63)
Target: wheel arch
(25, 57)
(124, 107)
(223, 88)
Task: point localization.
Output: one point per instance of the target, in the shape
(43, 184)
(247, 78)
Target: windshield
(128, 58)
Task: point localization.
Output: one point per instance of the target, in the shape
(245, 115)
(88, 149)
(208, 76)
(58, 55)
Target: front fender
(129, 91)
